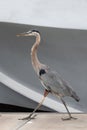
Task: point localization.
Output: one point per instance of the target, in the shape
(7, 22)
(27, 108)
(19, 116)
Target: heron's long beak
(22, 34)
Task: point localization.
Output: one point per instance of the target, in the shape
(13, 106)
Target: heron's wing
(55, 83)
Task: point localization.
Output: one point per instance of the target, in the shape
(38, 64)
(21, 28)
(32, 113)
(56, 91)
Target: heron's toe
(68, 118)
(28, 117)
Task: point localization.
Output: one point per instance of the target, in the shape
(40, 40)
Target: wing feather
(55, 83)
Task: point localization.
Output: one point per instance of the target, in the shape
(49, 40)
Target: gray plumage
(55, 84)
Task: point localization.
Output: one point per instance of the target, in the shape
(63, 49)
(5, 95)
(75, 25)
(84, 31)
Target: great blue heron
(50, 79)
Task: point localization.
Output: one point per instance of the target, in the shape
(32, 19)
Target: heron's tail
(74, 95)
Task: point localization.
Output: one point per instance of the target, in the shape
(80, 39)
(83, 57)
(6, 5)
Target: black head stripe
(41, 72)
(35, 31)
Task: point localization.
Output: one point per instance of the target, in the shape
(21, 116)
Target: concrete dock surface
(43, 121)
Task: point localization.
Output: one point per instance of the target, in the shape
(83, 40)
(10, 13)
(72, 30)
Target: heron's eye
(41, 72)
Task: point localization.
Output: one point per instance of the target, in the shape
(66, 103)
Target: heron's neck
(35, 62)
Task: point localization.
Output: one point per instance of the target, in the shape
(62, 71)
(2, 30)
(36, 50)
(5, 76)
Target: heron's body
(50, 79)
(56, 85)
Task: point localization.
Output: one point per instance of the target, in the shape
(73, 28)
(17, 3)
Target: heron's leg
(38, 106)
(70, 117)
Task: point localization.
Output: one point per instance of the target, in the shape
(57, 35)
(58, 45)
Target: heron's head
(29, 33)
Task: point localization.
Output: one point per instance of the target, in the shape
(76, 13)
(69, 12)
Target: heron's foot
(28, 117)
(69, 118)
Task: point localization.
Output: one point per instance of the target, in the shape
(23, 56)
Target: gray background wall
(64, 50)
